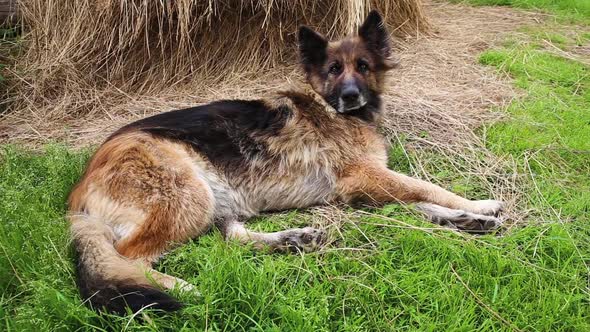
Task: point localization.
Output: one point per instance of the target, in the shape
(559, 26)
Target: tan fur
(375, 183)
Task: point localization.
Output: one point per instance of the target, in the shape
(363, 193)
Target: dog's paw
(186, 287)
(459, 219)
(303, 239)
(475, 223)
(487, 207)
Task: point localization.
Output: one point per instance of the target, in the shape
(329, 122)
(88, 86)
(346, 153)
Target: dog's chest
(271, 192)
(313, 187)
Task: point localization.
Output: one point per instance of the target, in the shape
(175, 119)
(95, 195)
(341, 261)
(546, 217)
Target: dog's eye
(362, 66)
(335, 68)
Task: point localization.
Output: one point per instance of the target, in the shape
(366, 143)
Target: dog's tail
(108, 280)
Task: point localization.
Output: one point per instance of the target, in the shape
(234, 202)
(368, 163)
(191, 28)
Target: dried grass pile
(75, 50)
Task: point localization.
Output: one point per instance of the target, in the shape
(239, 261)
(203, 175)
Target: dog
(171, 177)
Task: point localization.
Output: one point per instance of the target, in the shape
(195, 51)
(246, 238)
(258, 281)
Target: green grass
(387, 270)
(569, 10)
(395, 278)
(549, 130)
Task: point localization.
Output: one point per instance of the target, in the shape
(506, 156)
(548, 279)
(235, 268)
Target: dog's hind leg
(459, 219)
(297, 239)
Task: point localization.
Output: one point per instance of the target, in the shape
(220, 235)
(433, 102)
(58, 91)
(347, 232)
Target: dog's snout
(350, 93)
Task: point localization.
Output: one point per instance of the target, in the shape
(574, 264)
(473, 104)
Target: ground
(496, 104)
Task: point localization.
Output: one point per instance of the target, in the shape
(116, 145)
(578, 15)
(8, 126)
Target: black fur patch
(120, 296)
(312, 48)
(376, 37)
(228, 132)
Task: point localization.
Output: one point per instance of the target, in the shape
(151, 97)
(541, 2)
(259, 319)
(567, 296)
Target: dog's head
(349, 73)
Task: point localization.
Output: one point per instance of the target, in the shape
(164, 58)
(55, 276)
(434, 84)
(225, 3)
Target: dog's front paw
(459, 219)
(487, 207)
(473, 223)
(303, 239)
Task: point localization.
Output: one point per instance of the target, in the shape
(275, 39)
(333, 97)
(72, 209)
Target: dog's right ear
(312, 48)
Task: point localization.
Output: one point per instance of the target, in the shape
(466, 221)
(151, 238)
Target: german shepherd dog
(169, 178)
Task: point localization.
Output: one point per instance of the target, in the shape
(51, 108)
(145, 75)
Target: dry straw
(76, 48)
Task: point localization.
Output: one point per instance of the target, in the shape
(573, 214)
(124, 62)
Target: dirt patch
(441, 89)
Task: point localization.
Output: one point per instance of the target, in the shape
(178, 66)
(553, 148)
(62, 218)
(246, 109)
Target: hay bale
(141, 46)
(8, 13)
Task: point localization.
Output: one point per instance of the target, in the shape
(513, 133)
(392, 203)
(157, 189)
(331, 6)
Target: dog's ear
(376, 37)
(312, 48)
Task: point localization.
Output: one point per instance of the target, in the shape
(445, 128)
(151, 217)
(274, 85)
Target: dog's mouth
(345, 107)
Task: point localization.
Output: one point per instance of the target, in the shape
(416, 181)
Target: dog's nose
(350, 94)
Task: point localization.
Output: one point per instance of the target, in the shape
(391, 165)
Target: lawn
(566, 10)
(387, 269)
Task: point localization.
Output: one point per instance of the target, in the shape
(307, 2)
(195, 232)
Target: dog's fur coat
(169, 178)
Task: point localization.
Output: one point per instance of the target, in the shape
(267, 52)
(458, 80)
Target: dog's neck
(319, 99)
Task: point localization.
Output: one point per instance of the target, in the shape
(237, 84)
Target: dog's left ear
(312, 48)
(376, 37)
